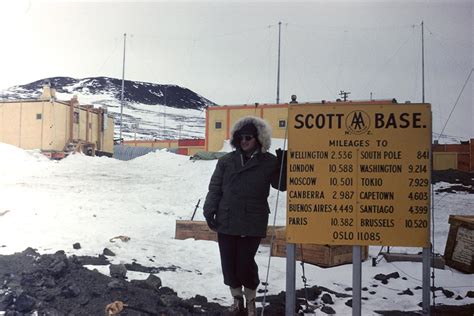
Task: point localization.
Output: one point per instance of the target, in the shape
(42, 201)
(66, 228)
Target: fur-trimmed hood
(263, 129)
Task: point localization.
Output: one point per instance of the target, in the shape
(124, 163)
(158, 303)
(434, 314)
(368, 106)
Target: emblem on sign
(357, 122)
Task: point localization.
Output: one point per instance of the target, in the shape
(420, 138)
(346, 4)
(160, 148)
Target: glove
(211, 221)
(281, 156)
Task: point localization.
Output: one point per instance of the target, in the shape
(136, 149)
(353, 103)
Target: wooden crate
(320, 255)
(459, 251)
(200, 231)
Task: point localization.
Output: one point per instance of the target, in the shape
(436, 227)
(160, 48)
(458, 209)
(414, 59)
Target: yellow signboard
(359, 174)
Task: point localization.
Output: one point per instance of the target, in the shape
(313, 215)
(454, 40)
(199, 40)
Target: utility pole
(278, 72)
(344, 95)
(123, 87)
(164, 112)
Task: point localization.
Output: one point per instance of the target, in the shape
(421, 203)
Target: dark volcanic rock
(108, 252)
(448, 293)
(385, 277)
(80, 291)
(76, 246)
(170, 300)
(57, 285)
(24, 303)
(139, 268)
(152, 283)
(58, 264)
(435, 288)
(117, 285)
(6, 300)
(198, 300)
(100, 260)
(463, 181)
(310, 293)
(328, 310)
(406, 292)
(327, 299)
(71, 290)
(118, 271)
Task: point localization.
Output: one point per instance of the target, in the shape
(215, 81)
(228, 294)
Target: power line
(312, 27)
(109, 56)
(387, 61)
(200, 38)
(456, 103)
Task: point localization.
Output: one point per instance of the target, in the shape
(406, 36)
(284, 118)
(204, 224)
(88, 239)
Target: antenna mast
(422, 63)
(123, 86)
(278, 72)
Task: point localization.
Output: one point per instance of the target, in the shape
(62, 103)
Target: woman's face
(248, 143)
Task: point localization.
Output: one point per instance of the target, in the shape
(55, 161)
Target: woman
(236, 206)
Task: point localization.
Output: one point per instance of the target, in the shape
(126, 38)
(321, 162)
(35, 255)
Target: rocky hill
(134, 91)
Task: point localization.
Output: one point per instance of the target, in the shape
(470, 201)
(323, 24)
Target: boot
(251, 308)
(237, 308)
(250, 296)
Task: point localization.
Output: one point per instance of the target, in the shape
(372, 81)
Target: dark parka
(238, 192)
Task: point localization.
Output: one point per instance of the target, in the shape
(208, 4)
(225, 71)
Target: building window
(218, 125)
(39, 116)
(76, 118)
(282, 123)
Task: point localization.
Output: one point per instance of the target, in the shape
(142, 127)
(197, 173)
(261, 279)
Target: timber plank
(436, 262)
(200, 231)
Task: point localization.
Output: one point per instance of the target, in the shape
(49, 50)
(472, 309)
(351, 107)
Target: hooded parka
(238, 190)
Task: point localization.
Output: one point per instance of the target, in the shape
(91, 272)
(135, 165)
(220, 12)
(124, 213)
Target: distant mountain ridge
(134, 91)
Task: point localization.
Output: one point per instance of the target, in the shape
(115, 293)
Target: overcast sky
(227, 50)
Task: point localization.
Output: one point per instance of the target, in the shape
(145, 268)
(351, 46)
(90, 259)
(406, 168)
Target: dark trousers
(238, 260)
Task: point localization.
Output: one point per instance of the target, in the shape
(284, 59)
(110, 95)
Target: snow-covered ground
(50, 205)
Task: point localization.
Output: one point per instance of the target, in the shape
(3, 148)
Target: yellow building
(56, 127)
(220, 119)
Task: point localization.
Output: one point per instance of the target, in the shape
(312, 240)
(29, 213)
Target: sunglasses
(246, 137)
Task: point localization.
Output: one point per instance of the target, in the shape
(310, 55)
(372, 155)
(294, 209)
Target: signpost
(359, 174)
